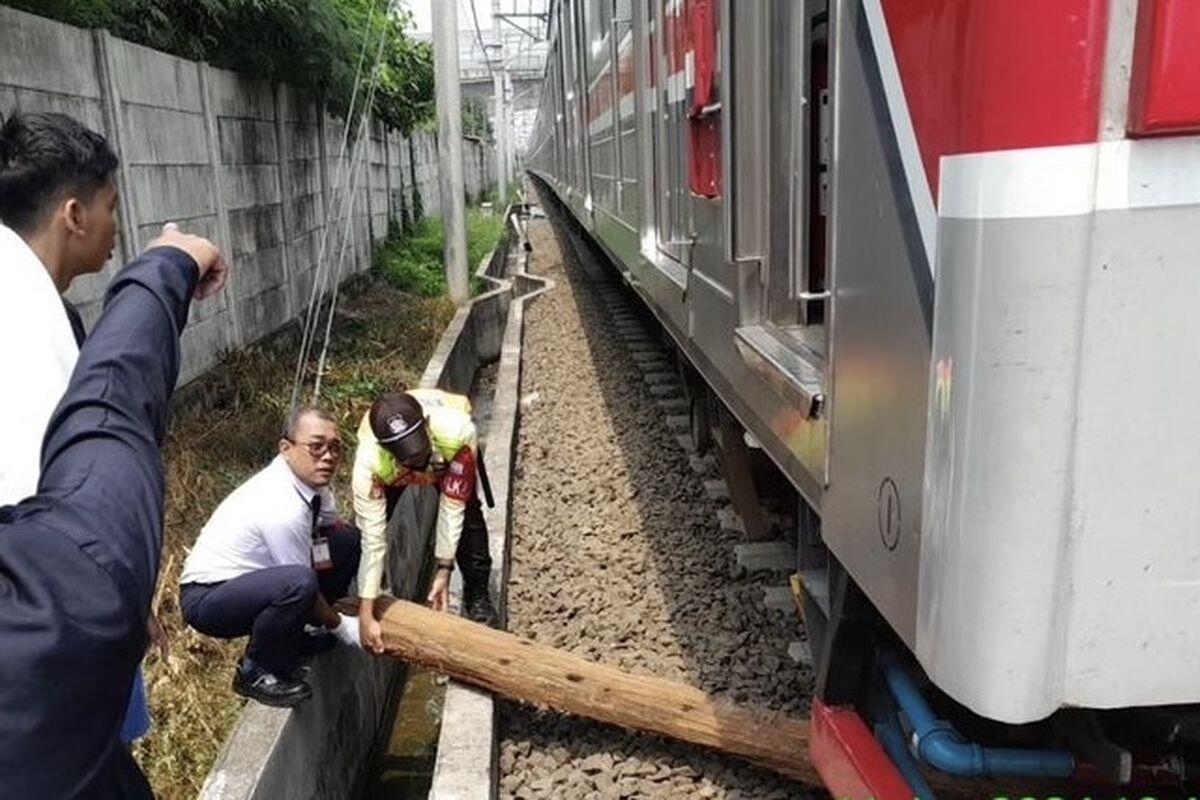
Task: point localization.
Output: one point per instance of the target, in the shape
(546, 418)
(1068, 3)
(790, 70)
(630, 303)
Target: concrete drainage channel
(341, 744)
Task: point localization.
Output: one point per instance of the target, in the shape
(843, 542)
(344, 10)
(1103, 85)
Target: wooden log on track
(522, 669)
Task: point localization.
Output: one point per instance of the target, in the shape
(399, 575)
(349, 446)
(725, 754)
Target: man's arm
(370, 515)
(101, 468)
(458, 487)
(77, 561)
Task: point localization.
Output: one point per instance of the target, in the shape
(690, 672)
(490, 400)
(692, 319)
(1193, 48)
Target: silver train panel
(880, 335)
(672, 243)
(1062, 459)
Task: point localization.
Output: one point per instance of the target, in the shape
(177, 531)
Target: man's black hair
(42, 157)
(292, 422)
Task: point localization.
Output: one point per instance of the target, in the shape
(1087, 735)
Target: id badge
(320, 554)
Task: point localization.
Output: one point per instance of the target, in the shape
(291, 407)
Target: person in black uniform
(58, 196)
(79, 559)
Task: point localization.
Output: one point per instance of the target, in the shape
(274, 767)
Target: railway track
(623, 550)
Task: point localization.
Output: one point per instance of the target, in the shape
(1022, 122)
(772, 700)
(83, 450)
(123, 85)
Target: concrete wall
(260, 169)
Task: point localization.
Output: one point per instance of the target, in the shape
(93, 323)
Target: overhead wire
(323, 271)
(479, 38)
(364, 137)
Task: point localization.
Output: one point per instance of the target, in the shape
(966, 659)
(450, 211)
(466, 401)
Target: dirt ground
(617, 555)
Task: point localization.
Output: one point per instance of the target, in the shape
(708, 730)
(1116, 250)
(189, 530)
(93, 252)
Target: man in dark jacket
(79, 559)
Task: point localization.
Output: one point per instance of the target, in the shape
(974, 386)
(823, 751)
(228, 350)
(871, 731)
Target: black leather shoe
(269, 689)
(481, 610)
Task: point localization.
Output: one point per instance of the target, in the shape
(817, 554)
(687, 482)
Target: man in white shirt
(272, 558)
(57, 221)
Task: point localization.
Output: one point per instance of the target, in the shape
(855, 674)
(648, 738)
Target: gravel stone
(618, 555)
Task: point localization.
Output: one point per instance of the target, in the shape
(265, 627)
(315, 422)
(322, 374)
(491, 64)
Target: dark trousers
(472, 556)
(272, 605)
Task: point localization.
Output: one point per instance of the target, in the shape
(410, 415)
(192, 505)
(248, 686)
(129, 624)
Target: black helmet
(398, 423)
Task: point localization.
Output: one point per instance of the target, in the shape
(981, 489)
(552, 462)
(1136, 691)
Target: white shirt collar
(285, 469)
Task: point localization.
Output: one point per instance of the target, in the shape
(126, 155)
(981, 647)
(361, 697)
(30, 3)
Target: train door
(623, 112)
(669, 79)
(556, 119)
(778, 157)
(574, 103)
(601, 112)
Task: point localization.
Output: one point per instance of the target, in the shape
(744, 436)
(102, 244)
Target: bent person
(79, 559)
(423, 437)
(271, 559)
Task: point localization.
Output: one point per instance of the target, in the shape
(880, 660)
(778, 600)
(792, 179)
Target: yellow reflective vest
(451, 468)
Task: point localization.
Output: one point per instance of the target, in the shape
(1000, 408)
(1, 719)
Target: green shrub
(314, 44)
(412, 262)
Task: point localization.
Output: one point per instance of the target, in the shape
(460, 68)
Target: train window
(704, 112)
(795, 291)
(597, 26)
(777, 174)
(673, 101)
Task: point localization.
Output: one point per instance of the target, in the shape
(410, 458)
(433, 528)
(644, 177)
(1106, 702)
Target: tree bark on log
(524, 670)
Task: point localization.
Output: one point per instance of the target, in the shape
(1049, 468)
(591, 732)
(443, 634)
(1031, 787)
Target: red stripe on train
(1165, 83)
(983, 75)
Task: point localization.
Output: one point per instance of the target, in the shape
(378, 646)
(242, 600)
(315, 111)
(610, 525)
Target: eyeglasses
(320, 447)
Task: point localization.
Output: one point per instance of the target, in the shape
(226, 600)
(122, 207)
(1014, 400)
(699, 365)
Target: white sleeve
(370, 514)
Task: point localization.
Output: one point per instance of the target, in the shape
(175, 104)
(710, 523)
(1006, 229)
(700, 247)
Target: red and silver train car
(941, 258)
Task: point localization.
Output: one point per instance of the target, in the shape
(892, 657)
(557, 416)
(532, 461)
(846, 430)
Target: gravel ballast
(618, 555)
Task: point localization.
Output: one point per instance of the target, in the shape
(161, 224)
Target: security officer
(79, 559)
(421, 437)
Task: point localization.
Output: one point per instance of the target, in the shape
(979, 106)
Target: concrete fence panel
(260, 169)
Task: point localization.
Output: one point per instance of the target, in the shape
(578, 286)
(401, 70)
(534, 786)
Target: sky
(423, 13)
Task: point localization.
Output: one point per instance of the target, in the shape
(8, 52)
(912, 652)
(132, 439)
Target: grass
(227, 430)
(412, 262)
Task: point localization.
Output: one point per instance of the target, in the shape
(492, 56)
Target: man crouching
(271, 559)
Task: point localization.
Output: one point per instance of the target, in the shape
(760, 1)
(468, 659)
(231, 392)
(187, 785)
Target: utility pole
(450, 163)
(500, 98)
(510, 130)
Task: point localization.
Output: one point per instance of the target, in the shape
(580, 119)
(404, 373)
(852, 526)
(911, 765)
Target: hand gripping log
(524, 670)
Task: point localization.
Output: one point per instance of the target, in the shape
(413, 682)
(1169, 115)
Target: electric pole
(450, 163)
(500, 98)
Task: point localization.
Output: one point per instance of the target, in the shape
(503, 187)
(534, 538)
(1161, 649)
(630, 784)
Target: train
(936, 259)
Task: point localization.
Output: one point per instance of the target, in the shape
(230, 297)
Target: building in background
(523, 34)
